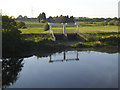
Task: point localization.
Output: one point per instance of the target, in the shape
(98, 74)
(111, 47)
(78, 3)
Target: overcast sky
(77, 8)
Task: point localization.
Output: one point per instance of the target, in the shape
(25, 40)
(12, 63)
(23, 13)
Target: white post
(64, 28)
(50, 27)
(77, 26)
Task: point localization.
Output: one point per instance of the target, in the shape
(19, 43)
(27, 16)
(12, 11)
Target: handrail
(53, 35)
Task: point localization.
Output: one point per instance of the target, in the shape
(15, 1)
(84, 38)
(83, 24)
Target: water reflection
(89, 67)
(10, 70)
(64, 58)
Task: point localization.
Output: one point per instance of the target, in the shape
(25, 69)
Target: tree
(108, 19)
(20, 17)
(42, 16)
(11, 36)
(25, 17)
(115, 18)
(71, 20)
(64, 19)
(104, 23)
(116, 23)
(39, 17)
(111, 22)
(50, 19)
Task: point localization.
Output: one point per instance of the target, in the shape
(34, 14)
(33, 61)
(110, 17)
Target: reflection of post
(64, 57)
(50, 57)
(50, 61)
(77, 56)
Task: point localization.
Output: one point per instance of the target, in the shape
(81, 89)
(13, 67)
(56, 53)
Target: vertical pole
(77, 56)
(64, 29)
(77, 28)
(64, 56)
(50, 61)
(50, 28)
(50, 58)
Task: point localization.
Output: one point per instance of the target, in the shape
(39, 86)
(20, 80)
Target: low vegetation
(110, 40)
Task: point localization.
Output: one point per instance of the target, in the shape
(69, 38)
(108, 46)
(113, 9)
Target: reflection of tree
(10, 69)
(108, 49)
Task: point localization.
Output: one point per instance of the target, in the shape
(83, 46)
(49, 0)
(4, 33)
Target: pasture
(38, 28)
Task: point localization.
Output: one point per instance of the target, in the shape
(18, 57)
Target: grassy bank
(101, 41)
(97, 36)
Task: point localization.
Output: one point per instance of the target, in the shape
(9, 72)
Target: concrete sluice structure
(70, 37)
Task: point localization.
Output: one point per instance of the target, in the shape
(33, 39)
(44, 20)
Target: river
(67, 69)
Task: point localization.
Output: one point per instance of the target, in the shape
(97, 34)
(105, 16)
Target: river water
(68, 69)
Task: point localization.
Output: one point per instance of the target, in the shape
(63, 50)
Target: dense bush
(111, 39)
(42, 21)
(46, 26)
(104, 23)
(113, 22)
(21, 25)
(92, 37)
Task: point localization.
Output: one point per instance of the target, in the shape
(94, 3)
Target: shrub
(21, 24)
(46, 26)
(24, 27)
(42, 21)
(93, 37)
(111, 39)
(104, 23)
(111, 22)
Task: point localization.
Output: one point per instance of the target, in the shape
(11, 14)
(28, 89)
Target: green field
(37, 28)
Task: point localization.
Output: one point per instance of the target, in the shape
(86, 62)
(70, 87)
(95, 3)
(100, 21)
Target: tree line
(42, 18)
(86, 19)
(70, 19)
